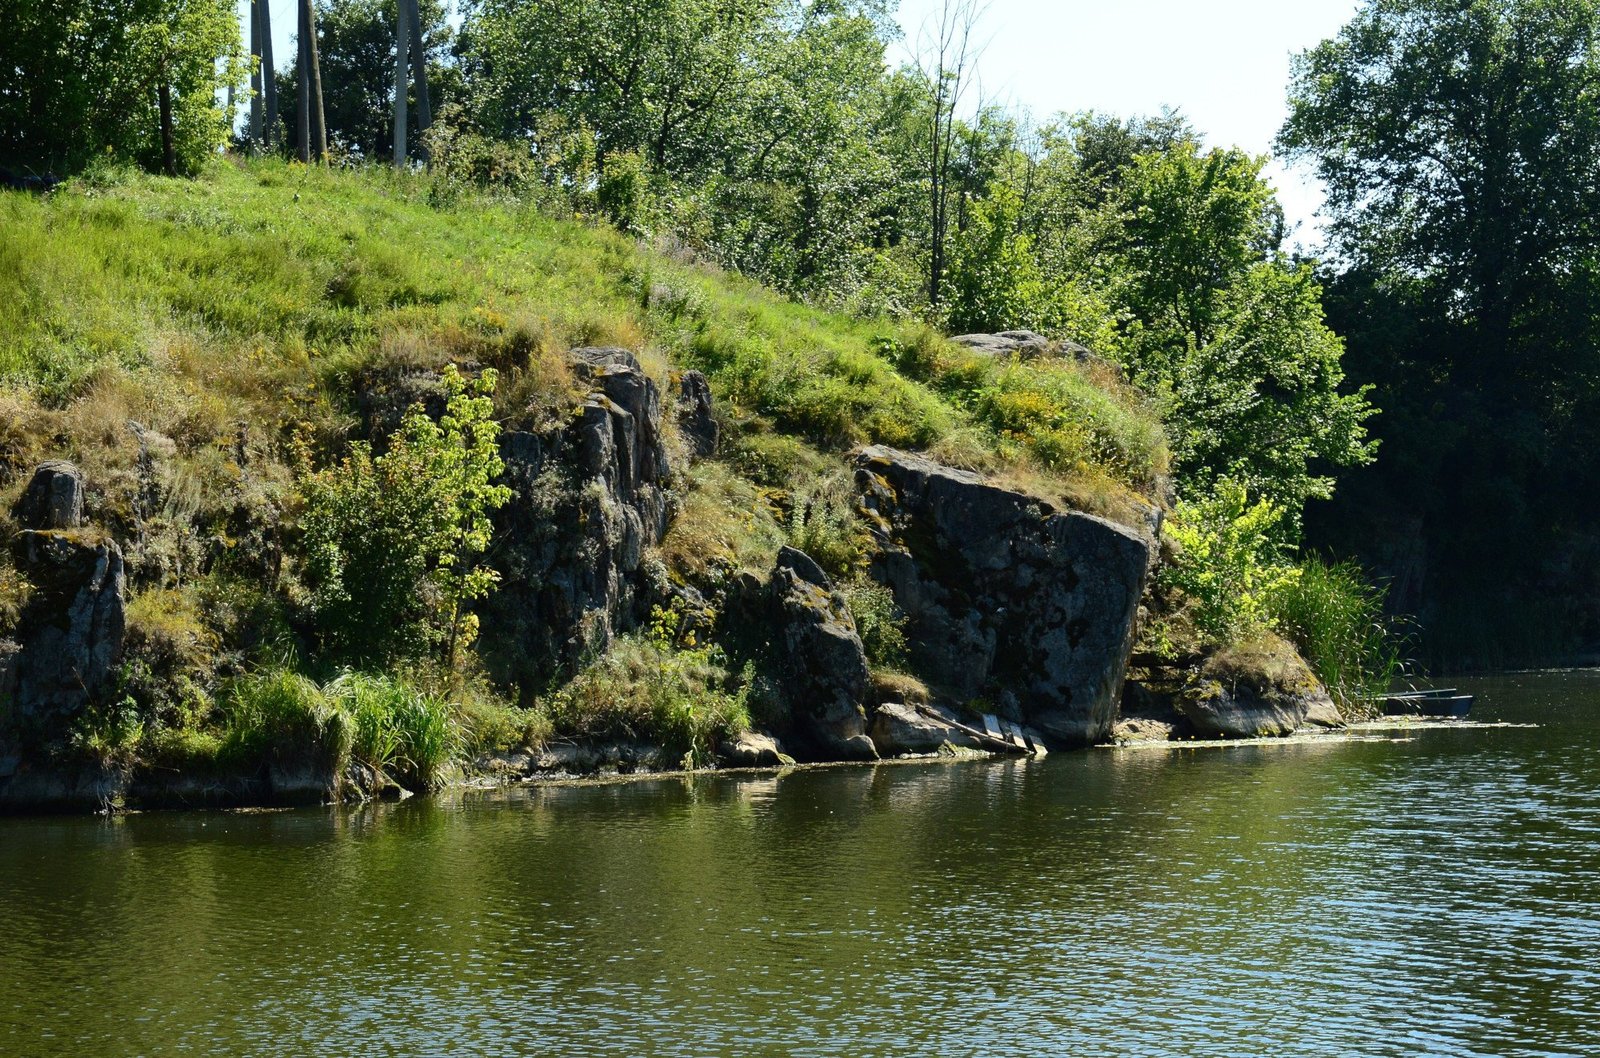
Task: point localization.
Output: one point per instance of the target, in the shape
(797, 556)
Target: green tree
(804, 165)
(393, 541)
(356, 46)
(656, 77)
(1458, 140)
(134, 79)
(994, 281)
(1228, 333)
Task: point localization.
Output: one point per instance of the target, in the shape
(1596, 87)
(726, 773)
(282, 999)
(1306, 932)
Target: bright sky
(1224, 64)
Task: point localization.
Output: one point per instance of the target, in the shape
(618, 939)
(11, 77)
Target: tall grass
(287, 718)
(284, 717)
(411, 735)
(1335, 615)
(647, 690)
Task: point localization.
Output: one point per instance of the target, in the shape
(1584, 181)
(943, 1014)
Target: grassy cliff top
(258, 292)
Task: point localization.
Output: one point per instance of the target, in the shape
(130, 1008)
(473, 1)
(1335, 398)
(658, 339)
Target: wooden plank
(992, 743)
(991, 726)
(1013, 735)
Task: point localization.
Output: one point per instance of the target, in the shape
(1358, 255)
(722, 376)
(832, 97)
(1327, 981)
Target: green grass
(266, 285)
(648, 691)
(410, 735)
(284, 717)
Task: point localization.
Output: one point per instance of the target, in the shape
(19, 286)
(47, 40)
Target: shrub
(489, 726)
(1335, 615)
(1230, 564)
(391, 541)
(649, 689)
(108, 732)
(824, 523)
(879, 621)
(14, 593)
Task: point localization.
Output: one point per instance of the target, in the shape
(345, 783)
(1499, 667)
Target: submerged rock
(824, 661)
(1006, 597)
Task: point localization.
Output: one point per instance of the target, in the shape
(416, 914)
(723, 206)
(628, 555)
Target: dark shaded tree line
(1460, 144)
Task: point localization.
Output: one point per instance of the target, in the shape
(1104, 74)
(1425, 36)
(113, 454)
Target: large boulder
(824, 662)
(69, 635)
(1007, 598)
(753, 750)
(53, 498)
(588, 503)
(1262, 690)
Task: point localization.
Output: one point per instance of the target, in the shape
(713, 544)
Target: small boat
(1443, 701)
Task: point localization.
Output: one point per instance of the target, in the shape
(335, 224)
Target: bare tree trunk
(269, 73)
(944, 62)
(169, 156)
(319, 124)
(419, 71)
(302, 87)
(258, 75)
(402, 40)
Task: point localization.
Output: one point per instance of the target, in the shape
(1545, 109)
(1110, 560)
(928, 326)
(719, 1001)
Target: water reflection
(1437, 896)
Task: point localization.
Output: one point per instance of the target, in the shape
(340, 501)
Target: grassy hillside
(233, 318)
(270, 282)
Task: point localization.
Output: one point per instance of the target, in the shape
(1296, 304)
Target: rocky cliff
(588, 502)
(1019, 614)
(1011, 601)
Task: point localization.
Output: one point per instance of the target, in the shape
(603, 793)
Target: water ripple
(1439, 896)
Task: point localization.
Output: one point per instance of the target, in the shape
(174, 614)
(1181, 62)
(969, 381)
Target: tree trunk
(319, 122)
(302, 87)
(257, 75)
(419, 71)
(269, 73)
(169, 156)
(402, 39)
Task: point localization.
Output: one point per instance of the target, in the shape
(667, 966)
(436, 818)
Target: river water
(1433, 896)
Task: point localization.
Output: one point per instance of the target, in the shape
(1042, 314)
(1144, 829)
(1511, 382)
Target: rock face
(1007, 598)
(53, 498)
(825, 664)
(1240, 694)
(695, 418)
(71, 630)
(587, 501)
